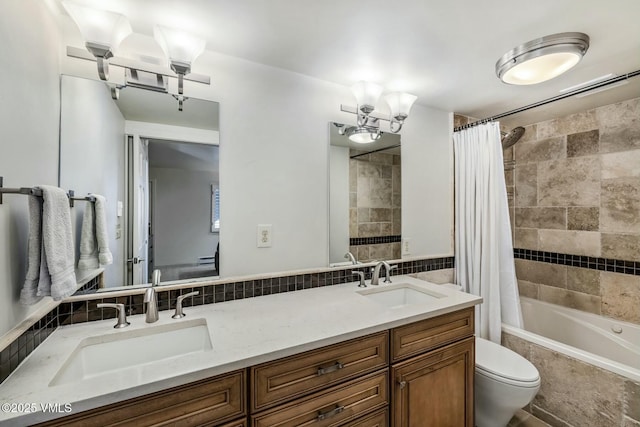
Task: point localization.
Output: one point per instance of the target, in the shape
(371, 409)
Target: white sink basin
(401, 295)
(133, 353)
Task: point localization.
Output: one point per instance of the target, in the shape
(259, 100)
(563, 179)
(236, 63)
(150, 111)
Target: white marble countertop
(243, 333)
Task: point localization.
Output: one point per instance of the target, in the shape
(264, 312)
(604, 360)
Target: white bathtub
(609, 344)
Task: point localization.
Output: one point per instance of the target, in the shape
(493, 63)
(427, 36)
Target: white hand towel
(28, 295)
(102, 236)
(57, 239)
(88, 247)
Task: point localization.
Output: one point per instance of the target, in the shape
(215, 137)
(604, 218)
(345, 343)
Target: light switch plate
(264, 235)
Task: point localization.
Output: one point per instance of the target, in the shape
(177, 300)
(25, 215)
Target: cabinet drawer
(333, 407)
(285, 379)
(238, 423)
(208, 402)
(428, 334)
(377, 419)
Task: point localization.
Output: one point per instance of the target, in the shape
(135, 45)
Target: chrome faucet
(151, 299)
(351, 258)
(122, 314)
(375, 278)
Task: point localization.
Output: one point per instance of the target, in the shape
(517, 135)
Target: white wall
(92, 157)
(338, 203)
(29, 109)
(182, 216)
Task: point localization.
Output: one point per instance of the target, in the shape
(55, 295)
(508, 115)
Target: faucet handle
(387, 278)
(122, 315)
(360, 274)
(179, 313)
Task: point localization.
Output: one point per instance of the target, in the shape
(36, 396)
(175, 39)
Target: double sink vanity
(338, 355)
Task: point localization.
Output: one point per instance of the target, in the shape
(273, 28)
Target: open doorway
(178, 220)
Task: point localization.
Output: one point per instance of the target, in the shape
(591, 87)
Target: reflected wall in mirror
(364, 198)
(155, 165)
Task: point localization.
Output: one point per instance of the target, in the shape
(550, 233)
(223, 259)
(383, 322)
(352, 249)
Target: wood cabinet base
(436, 388)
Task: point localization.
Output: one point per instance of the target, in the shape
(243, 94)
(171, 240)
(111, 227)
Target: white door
(140, 220)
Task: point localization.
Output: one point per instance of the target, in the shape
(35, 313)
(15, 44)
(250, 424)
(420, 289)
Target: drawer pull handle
(329, 413)
(332, 368)
(402, 384)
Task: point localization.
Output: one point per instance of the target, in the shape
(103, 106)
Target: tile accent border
(73, 312)
(358, 241)
(582, 261)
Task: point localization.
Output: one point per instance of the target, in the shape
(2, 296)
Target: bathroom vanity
(328, 356)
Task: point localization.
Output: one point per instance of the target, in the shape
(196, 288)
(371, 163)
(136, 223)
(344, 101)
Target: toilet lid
(498, 361)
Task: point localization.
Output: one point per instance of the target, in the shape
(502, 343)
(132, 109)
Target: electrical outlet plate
(406, 246)
(263, 235)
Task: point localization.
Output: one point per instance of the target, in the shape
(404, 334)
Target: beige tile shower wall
(374, 203)
(577, 191)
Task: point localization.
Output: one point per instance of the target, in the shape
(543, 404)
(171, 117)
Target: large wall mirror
(158, 170)
(365, 191)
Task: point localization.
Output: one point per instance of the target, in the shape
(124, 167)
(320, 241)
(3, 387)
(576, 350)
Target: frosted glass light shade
(400, 104)
(542, 59)
(366, 93)
(99, 26)
(363, 136)
(177, 45)
(541, 69)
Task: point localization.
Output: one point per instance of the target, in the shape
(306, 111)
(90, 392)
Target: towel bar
(35, 191)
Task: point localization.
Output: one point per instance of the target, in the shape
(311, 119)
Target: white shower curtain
(483, 246)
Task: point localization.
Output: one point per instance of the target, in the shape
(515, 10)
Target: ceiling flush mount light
(103, 31)
(368, 122)
(542, 59)
(181, 50)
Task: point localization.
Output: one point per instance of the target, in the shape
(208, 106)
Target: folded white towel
(50, 248)
(102, 236)
(57, 239)
(88, 248)
(34, 251)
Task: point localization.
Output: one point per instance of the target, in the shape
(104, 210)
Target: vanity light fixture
(102, 30)
(368, 121)
(181, 50)
(542, 59)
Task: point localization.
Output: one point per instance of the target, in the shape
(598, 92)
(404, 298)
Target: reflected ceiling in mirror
(99, 135)
(364, 198)
(154, 107)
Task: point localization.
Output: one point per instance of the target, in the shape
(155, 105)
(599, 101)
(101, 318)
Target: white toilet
(504, 383)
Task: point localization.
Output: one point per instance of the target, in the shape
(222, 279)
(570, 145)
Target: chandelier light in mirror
(102, 30)
(542, 59)
(368, 122)
(182, 50)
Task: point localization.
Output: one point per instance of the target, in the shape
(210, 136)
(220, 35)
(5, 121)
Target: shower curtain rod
(375, 151)
(578, 91)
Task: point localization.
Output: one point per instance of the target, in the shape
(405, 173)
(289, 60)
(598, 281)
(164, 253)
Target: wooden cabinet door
(435, 389)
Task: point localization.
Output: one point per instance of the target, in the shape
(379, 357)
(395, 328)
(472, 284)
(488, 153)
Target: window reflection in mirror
(364, 198)
(156, 167)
